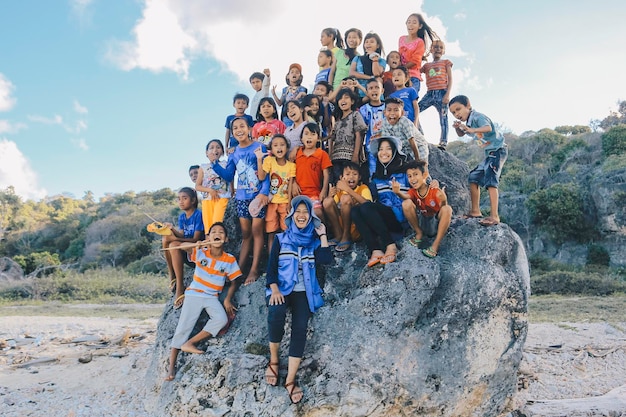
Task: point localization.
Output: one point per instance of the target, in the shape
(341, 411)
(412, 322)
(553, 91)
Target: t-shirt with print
(412, 52)
(211, 273)
(323, 75)
(429, 205)
(309, 171)
(210, 179)
(408, 95)
(490, 141)
(437, 74)
(243, 162)
(190, 225)
(279, 178)
(264, 131)
(345, 136)
(373, 116)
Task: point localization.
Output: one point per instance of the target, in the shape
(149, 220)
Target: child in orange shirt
(312, 168)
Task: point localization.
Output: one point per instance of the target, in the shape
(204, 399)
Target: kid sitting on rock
(213, 267)
(425, 207)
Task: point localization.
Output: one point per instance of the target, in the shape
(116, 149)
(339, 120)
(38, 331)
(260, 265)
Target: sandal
(471, 216)
(415, 241)
(333, 242)
(178, 303)
(173, 285)
(343, 246)
(488, 221)
(374, 260)
(293, 391)
(429, 252)
(274, 373)
(388, 258)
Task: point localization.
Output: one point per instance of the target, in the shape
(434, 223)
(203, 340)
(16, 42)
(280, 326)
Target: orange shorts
(275, 216)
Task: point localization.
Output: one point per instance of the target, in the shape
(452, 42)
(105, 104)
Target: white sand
(590, 361)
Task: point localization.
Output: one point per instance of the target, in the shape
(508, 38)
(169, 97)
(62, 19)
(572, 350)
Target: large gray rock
(10, 270)
(429, 337)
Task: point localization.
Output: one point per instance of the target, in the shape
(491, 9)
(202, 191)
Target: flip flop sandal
(178, 303)
(343, 246)
(173, 284)
(374, 260)
(429, 252)
(333, 242)
(470, 216)
(488, 221)
(274, 374)
(415, 242)
(159, 228)
(387, 259)
(293, 391)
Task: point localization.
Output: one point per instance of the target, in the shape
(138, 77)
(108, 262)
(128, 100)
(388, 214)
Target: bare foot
(170, 376)
(251, 279)
(190, 348)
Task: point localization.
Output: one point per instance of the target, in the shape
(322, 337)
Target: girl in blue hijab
(292, 284)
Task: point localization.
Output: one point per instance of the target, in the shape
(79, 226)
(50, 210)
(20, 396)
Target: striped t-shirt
(211, 273)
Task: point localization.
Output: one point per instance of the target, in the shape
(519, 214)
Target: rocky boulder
(429, 337)
(10, 270)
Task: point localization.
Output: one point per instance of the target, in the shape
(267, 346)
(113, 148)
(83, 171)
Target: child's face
(393, 112)
(320, 90)
(193, 174)
(309, 139)
(240, 130)
(385, 152)
(301, 216)
(184, 201)
(345, 103)
(214, 152)
(373, 90)
(267, 110)
(460, 111)
(416, 177)
(240, 105)
(353, 40)
(351, 177)
(326, 40)
(293, 76)
(370, 45)
(412, 24)
(398, 77)
(393, 59)
(313, 108)
(294, 112)
(278, 148)
(256, 84)
(217, 234)
(437, 49)
(323, 60)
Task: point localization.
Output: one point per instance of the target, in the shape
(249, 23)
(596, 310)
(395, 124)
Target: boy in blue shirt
(487, 174)
(240, 103)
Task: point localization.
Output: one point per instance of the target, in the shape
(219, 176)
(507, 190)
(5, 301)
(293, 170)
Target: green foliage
(614, 163)
(558, 210)
(37, 260)
(561, 154)
(572, 130)
(615, 117)
(570, 282)
(598, 255)
(98, 286)
(614, 141)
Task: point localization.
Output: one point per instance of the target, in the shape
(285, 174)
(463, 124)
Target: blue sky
(111, 96)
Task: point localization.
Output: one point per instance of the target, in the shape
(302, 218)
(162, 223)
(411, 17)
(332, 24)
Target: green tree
(615, 117)
(614, 141)
(558, 210)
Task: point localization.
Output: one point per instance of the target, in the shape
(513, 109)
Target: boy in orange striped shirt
(213, 267)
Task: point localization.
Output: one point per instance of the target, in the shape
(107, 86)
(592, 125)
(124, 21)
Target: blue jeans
(416, 83)
(300, 313)
(435, 98)
(487, 173)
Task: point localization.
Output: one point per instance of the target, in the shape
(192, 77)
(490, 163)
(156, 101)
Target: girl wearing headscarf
(292, 285)
(377, 221)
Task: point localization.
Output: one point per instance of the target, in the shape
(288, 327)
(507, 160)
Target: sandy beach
(95, 366)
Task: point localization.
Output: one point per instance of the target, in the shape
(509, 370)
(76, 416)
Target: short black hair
(461, 99)
(417, 164)
(353, 166)
(257, 75)
(326, 84)
(222, 225)
(194, 166)
(394, 100)
(240, 96)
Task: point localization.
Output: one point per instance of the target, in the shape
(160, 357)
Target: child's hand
(263, 199)
(213, 194)
(259, 153)
(266, 71)
(332, 191)
(343, 186)
(231, 150)
(274, 89)
(229, 307)
(395, 186)
(295, 190)
(321, 229)
(168, 225)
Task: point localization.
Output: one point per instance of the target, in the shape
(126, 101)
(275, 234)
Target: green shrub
(614, 141)
(614, 163)
(569, 282)
(558, 210)
(598, 255)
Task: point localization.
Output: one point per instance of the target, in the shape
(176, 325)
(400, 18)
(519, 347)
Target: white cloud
(6, 90)
(80, 126)
(16, 171)
(8, 127)
(460, 16)
(80, 144)
(78, 108)
(54, 120)
(246, 38)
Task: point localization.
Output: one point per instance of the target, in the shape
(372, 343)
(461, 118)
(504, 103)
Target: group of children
(354, 147)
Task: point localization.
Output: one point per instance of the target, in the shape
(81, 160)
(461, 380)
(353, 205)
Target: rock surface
(10, 270)
(430, 337)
